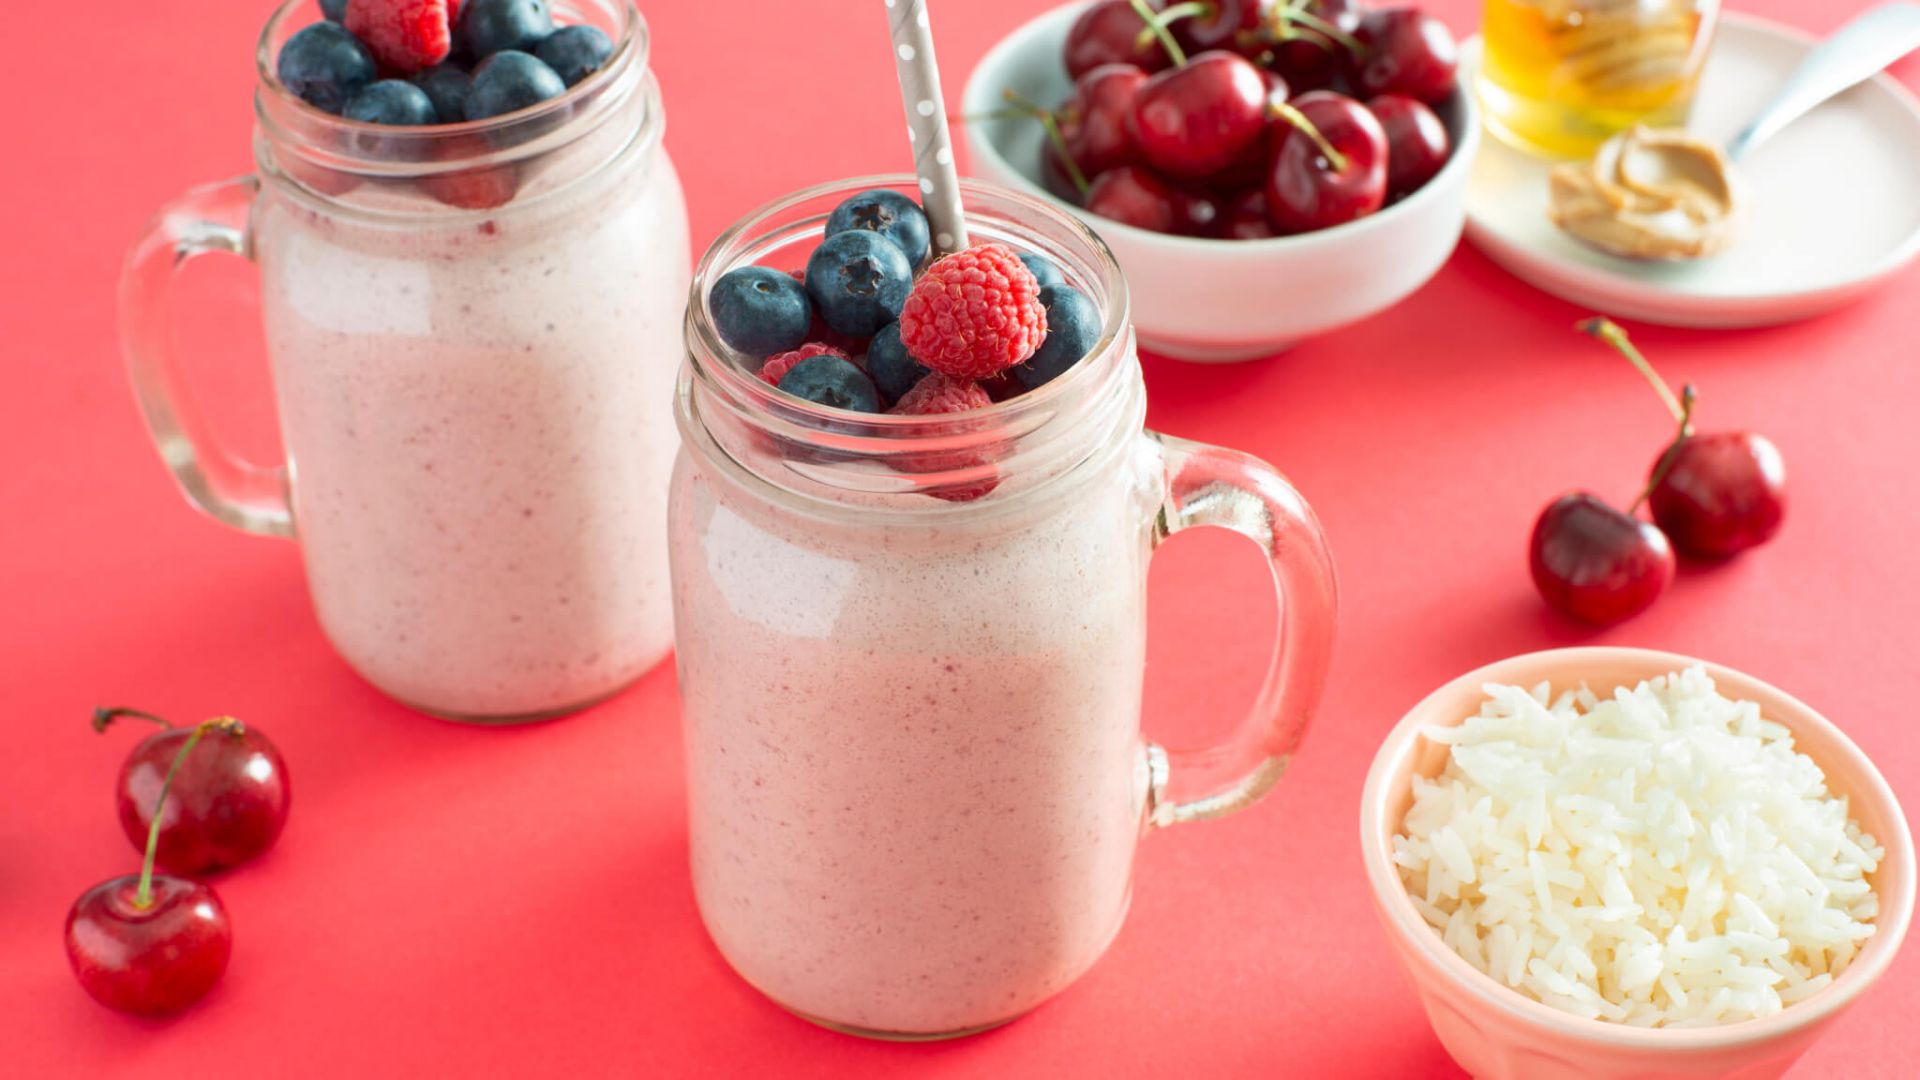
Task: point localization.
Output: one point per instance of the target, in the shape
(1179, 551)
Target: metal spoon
(1855, 53)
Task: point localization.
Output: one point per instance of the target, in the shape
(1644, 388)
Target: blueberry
(446, 86)
(1043, 269)
(509, 81)
(760, 311)
(391, 101)
(832, 380)
(888, 213)
(858, 280)
(894, 372)
(1073, 326)
(575, 52)
(485, 27)
(325, 65)
(334, 9)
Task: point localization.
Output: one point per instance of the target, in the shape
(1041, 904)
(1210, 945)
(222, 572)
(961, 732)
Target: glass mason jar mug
(911, 654)
(473, 331)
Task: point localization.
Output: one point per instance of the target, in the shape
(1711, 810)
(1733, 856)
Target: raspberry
(939, 393)
(776, 367)
(935, 395)
(406, 36)
(974, 313)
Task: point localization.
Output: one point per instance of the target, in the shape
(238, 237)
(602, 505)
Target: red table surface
(516, 901)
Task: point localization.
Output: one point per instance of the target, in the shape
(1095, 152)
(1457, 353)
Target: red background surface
(516, 901)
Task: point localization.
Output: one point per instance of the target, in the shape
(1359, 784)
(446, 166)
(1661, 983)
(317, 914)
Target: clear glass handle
(247, 496)
(1206, 485)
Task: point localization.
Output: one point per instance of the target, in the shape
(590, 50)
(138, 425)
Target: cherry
(1109, 32)
(1093, 122)
(1195, 120)
(1196, 212)
(1722, 493)
(229, 801)
(1597, 563)
(1245, 218)
(1405, 51)
(1310, 58)
(151, 944)
(1199, 25)
(1249, 170)
(1134, 196)
(1715, 495)
(1329, 167)
(1417, 142)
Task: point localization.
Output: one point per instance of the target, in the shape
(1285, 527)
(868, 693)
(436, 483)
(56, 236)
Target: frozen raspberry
(939, 393)
(974, 313)
(776, 367)
(406, 36)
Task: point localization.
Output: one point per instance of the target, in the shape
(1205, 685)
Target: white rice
(1664, 857)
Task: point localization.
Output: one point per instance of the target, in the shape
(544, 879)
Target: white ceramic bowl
(1226, 300)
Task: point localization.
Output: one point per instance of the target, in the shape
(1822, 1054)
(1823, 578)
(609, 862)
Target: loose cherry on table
(1715, 495)
(1329, 168)
(151, 944)
(1597, 563)
(228, 803)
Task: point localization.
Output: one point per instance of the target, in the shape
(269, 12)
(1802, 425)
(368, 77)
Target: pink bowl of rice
(1604, 863)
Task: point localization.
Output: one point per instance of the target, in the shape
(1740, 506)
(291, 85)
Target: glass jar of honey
(1559, 77)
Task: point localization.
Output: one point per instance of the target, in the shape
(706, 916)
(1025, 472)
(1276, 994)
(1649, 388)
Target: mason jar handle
(1206, 485)
(214, 218)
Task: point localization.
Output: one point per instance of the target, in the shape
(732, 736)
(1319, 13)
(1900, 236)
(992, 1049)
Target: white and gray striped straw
(927, 124)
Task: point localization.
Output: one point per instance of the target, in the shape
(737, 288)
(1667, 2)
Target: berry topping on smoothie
(856, 330)
(891, 367)
(325, 65)
(1073, 326)
(832, 379)
(760, 311)
(888, 213)
(575, 52)
(776, 367)
(508, 82)
(974, 313)
(404, 35)
(939, 393)
(858, 281)
(446, 86)
(485, 27)
(392, 102)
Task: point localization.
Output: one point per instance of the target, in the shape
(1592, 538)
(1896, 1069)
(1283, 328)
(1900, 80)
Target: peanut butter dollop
(1648, 193)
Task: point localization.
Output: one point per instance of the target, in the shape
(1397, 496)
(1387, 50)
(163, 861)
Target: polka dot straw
(927, 124)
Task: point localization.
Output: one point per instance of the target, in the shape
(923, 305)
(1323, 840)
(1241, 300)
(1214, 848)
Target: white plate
(1833, 202)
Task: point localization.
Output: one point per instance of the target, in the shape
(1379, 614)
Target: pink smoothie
(916, 775)
(478, 412)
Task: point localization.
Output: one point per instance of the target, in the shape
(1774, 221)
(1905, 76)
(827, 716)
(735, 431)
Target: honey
(1560, 77)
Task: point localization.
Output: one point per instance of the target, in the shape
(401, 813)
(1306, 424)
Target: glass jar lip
(742, 385)
(630, 50)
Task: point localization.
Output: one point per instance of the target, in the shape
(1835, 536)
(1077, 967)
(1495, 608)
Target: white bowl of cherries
(1265, 170)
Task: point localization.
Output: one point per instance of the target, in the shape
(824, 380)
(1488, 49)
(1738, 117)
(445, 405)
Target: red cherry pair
(194, 800)
(1712, 496)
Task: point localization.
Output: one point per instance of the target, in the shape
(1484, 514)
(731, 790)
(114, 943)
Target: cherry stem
(1608, 331)
(143, 896)
(1281, 109)
(1023, 106)
(1156, 27)
(103, 717)
(1287, 17)
(1665, 464)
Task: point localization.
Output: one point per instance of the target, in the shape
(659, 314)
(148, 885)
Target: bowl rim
(1403, 921)
(1460, 162)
